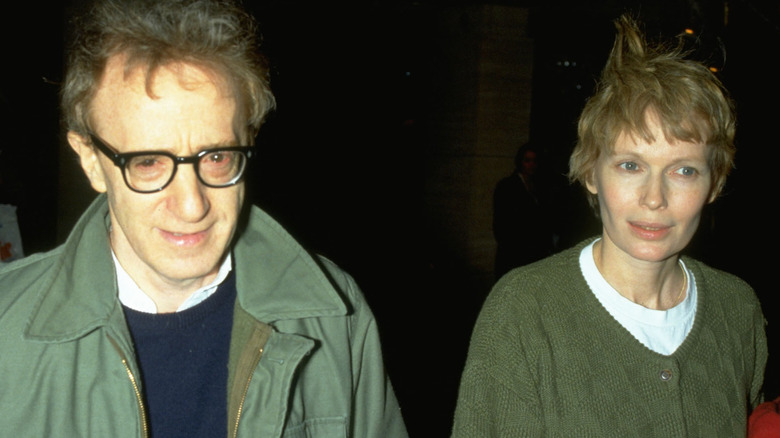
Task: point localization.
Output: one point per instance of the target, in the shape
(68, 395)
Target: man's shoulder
(263, 229)
(18, 276)
(279, 278)
(341, 280)
(338, 276)
(22, 284)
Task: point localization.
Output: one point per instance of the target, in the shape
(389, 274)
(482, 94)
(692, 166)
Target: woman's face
(651, 195)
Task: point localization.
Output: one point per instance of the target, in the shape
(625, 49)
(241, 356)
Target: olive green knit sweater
(546, 359)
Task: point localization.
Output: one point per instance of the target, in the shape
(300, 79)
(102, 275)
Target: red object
(764, 422)
(5, 251)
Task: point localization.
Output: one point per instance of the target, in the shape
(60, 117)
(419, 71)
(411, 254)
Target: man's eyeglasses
(152, 171)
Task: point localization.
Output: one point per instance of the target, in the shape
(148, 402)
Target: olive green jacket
(305, 358)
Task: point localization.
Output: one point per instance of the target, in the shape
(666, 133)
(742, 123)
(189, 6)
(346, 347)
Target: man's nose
(187, 198)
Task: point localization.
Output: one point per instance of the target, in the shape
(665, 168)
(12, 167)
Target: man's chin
(183, 272)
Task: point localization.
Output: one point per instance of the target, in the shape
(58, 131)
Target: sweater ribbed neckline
(154, 322)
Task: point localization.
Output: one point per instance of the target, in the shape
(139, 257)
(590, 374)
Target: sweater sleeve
(756, 387)
(498, 394)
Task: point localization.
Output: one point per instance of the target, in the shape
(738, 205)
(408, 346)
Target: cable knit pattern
(546, 359)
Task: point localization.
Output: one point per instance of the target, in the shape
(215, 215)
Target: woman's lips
(650, 231)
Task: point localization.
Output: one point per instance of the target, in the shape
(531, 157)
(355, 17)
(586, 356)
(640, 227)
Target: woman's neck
(655, 285)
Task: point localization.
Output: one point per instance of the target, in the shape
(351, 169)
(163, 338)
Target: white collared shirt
(659, 330)
(133, 297)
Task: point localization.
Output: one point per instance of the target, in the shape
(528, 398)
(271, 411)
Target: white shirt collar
(133, 297)
(662, 331)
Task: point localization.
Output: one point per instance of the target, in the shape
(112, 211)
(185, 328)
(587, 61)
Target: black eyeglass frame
(120, 160)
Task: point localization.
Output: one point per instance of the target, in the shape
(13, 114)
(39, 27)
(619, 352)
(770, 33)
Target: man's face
(177, 237)
(529, 163)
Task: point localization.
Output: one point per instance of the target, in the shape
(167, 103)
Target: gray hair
(216, 35)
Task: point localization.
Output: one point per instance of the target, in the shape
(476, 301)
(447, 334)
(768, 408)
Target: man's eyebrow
(221, 144)
(196, 150)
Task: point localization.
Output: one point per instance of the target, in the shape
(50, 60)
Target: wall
(481, 115)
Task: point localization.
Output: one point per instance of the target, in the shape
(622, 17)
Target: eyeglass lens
(153, 171)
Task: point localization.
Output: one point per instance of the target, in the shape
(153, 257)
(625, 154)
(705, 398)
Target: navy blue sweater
(183, 358)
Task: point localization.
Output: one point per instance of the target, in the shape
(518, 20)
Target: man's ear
(88, 157)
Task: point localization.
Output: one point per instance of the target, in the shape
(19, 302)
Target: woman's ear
(590, 183)
(717, 188)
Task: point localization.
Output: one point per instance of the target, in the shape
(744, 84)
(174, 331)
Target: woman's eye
(686, 171)
(629, 165)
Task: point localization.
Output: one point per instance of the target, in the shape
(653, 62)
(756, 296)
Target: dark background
(343, 158)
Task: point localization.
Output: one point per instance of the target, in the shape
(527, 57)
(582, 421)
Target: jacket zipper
(136, 389)
(246, 391)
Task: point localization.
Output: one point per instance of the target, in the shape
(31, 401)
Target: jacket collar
(276, 279)
(78, 293)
